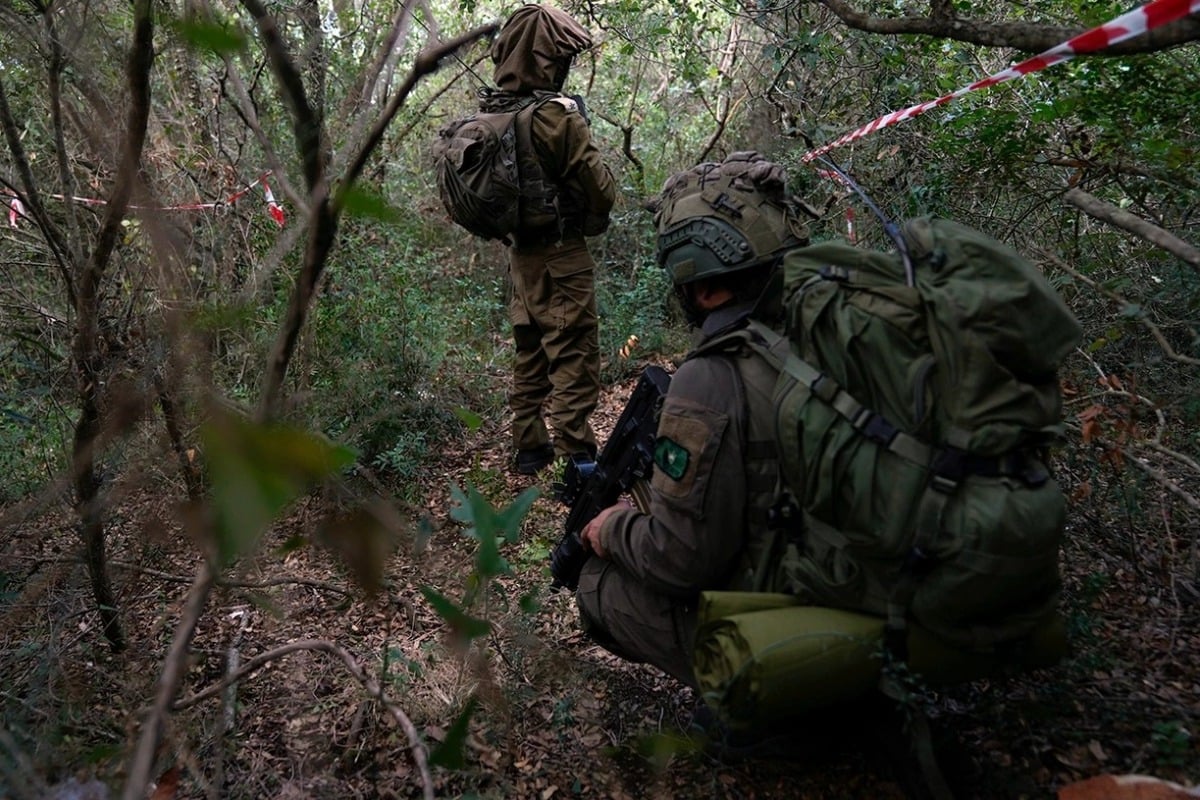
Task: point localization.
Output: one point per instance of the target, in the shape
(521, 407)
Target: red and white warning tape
(16, 210)
(1146, 18)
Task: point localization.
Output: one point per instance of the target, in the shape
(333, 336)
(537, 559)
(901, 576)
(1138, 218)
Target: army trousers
(557, 361)
(630, 620)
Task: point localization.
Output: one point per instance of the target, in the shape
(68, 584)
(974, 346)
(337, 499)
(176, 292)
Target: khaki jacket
(715, 476)
(569, 157)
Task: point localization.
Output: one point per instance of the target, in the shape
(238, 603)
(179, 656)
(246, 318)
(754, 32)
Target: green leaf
(510, 518)
(362, 203)
(255, 471)
(469, 418)
(489, 527)
(211, 36)
(449, 753)
(462, 623)
(529, 603)
(423, 535)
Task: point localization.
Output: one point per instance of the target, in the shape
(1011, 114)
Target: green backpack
(912, 426)
(488, 175)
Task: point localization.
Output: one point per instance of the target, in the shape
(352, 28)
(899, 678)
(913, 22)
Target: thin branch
(32, 198)
(1150, 326)
(232, 583)
(306, 123)
(1177, 456)
(426, 63)
(1161, 477)
(245, 110)
(325, 214)
(372, 687)
(1187, 497)
(1107, 212)
(421, 114)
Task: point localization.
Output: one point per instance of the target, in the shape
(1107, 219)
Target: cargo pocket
(573, 275)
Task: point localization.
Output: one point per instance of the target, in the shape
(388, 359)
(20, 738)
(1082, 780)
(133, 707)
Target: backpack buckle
(782, 514)
(949, 468)
(878, 429)
(832, 272)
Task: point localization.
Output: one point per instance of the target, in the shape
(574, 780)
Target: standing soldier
(553, 303)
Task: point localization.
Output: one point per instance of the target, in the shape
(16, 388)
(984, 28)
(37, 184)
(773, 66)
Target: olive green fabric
(968, 357)
(567, 194)
(759, 658)
(913, 440)
(489, 180)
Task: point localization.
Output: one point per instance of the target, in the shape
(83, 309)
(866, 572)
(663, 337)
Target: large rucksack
(912, 423)
(488, 174)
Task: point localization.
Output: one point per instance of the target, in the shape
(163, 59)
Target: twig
(1139, 462)
(372, 687)
(427, 62)
(228, 716)
(1150, 326)
(1158, 412)
(225, 582)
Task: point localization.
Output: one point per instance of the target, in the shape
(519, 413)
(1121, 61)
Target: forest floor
(555, 716)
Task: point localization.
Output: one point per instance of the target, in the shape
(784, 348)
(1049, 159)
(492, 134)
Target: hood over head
(534, 49)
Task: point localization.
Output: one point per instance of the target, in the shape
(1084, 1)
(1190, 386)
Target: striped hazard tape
(16, 210)
(1146, 18)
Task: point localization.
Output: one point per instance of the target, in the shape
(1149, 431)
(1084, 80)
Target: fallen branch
(1188, 498)
(225, 582)
(1106, 212)
(1111, 295)
(371, 686)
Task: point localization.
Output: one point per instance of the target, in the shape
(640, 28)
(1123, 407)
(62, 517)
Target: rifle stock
(590, 487)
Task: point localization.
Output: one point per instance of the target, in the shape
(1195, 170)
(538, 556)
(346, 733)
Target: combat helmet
(718, 218)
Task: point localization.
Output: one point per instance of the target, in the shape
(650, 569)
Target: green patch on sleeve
(671, 457)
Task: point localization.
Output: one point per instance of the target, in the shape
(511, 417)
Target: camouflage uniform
(714, 479)
(553, 302)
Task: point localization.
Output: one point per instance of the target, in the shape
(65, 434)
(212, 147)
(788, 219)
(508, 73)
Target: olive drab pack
(488, 175)
(912, 423)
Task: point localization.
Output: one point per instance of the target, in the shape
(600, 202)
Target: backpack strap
(539, 195)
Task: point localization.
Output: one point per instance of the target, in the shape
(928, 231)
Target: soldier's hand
(591, 531)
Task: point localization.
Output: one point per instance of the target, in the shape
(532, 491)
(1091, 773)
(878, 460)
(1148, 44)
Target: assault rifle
(589, 487)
